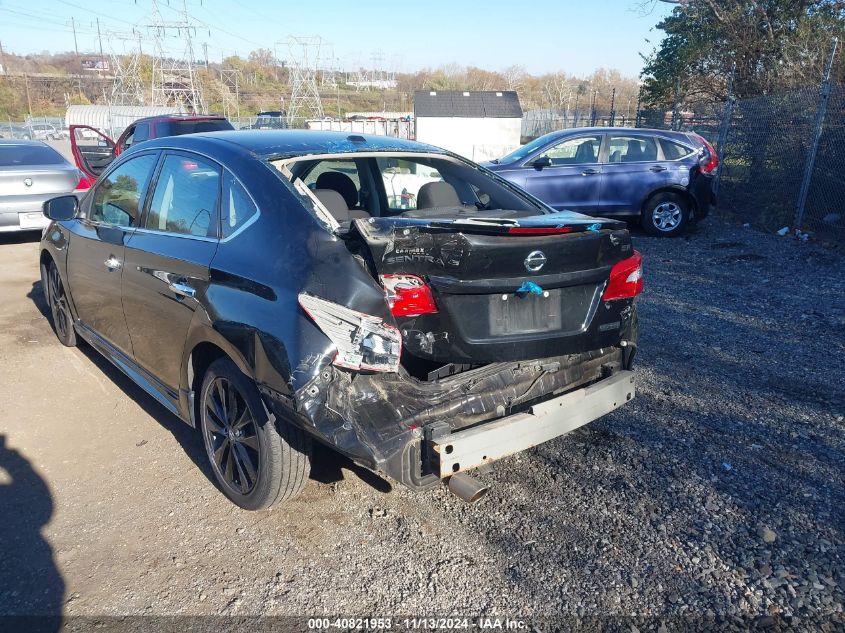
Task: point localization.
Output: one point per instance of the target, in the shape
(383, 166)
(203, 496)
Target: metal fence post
(722, 140)
(675, 105)
(824, 94)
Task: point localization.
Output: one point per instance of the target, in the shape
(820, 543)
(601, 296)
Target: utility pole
(102, 59)
(205, 52)
(78, 62)
(28, 99)
(75, 45)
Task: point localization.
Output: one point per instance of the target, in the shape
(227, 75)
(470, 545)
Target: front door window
(574, 151)
(118, 197)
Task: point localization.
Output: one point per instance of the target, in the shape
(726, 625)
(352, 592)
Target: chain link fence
(771, 148)
(824, 212)
(39, 128)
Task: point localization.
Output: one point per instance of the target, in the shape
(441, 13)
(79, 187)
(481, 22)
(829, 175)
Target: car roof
(286, 143)
(572, 131)
(182, 117)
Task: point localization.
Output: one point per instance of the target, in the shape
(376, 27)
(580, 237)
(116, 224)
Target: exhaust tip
(467, 488)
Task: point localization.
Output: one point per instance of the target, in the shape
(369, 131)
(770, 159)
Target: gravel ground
(720, 490)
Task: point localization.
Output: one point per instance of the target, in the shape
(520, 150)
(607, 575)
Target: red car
(93, 151)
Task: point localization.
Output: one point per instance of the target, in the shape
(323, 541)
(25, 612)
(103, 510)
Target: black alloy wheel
(257, 458)
(59, 309)
(232, 436)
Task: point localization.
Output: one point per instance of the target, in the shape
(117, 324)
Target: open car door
(92, 150)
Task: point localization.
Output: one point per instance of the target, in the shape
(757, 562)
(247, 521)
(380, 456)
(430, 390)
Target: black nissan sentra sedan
(391, 300)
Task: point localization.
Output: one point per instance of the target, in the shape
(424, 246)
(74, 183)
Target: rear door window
(118, 198)
(237, 207)
(631, 149)
(185, 197)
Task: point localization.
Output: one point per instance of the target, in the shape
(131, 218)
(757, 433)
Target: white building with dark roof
(480, 125)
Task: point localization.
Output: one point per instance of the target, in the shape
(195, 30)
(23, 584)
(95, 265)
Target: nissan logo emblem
(27, 182)
(535, 261)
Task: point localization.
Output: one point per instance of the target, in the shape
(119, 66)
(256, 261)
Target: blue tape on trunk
(529, 287)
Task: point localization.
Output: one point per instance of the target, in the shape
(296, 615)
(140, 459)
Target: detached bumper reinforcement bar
(487, 442)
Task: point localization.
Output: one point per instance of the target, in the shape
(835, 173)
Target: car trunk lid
(505, 288)
(23, 180)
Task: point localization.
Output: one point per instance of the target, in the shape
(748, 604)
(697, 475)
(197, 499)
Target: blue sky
(546, 35)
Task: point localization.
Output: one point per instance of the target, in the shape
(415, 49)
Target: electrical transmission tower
(230, 78)
(304, 94)
(329, 71)
(175, 81)
(127, 88)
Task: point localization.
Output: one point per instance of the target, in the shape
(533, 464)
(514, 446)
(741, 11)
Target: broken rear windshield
(389, 184)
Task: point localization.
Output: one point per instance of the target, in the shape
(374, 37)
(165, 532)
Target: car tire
(60, 316)
(665, 214)
(258, 459)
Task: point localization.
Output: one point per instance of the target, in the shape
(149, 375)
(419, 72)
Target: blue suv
(663, 179)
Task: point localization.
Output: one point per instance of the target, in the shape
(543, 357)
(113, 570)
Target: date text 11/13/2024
(417, 624)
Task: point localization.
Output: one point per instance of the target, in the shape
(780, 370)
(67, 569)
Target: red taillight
(710, 160)
(408, 295)
(626, 279)
(84, 183)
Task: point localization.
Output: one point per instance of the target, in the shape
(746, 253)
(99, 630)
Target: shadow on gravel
(30, 582)
(36, 295)
(327, 467)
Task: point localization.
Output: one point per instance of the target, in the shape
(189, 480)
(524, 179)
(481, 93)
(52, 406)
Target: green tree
(775, 44)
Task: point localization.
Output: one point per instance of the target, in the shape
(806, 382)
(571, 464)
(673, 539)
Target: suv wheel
(54, 292)
(256, 460)
(665, 215)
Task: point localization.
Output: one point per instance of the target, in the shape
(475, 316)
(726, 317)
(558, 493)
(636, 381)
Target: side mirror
(102, 144)
(61, 208)
(543, 161)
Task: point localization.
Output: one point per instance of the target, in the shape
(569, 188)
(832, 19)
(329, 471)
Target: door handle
(589, 171)
(182, 289)
(657, 168)
(112, 263)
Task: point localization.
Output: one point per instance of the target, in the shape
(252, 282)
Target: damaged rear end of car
(453, 336)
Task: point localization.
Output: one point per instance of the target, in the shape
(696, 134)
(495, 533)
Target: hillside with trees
(45, 84)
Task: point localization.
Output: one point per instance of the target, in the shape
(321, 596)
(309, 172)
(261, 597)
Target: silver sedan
(31, 172)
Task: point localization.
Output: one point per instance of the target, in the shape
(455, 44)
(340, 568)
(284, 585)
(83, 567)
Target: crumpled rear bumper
(399, 426)
(482, 444)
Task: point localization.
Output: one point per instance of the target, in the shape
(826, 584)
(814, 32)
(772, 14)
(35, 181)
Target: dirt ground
(718, 490)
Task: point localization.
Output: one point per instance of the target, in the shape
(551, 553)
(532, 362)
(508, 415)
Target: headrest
(341, 183)
(437, 194)
(334, 202)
